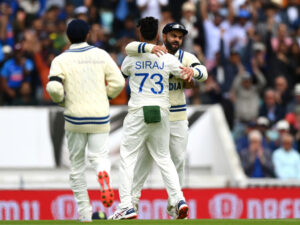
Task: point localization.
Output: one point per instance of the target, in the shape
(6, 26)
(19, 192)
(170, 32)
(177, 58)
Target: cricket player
(173, 34)
(146, 126)
(77, 82)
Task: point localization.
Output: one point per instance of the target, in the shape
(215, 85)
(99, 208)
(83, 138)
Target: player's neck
(171, 52)
(151, 42)
(154, 41)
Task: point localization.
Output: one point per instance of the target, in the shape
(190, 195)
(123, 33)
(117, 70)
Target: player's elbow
(130, 47)
(56, 91)
(114, 90)
(202, 73)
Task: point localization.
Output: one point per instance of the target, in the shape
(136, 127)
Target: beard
(172, 46)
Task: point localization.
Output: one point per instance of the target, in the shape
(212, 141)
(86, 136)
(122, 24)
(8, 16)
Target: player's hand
(188, 85)
(159, 50)
(187, 73)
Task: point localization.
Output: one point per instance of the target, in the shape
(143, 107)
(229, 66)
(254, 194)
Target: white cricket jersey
(149, 78)
(84, 70)
(176, 94)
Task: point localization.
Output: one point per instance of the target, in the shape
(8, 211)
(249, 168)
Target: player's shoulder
(167, 56)
(59, 58)
(188, 54)
(189, 57)
(98, 50)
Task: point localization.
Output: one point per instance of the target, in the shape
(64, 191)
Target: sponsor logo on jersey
(175, 86)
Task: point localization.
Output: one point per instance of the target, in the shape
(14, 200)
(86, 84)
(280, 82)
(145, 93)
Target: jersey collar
(78, 45)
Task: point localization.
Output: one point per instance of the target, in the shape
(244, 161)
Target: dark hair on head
(77, 31)
(148, 28)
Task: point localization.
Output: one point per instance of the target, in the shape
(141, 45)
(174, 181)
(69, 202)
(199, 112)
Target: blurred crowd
(251, 49)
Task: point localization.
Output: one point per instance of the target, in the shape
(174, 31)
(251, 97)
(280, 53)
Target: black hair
(148, 28)
(77, 31)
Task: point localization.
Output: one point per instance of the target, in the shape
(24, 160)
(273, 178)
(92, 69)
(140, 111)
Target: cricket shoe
(107, 194)
(124, 214)
(171, 211)
(85, 219)
(182, 210)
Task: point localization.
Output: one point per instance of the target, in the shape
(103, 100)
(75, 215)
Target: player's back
(149, 78)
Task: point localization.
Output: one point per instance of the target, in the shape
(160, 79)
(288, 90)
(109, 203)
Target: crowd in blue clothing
(250, 48)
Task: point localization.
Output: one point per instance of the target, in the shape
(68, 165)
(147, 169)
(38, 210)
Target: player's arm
(126, 66)
(178, 70)
(113, 76)
(188, 85)
(135, 48)
(200, 70)
(55, 85)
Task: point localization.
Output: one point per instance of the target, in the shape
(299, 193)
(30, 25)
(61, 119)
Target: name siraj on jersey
(149, 65)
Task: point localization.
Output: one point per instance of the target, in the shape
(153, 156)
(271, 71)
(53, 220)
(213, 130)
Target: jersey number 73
(159, 82)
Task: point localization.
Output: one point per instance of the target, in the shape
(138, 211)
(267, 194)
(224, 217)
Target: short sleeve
(29, 65)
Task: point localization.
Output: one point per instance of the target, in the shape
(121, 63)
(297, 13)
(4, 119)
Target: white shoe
(124, 214)
(182, 210)
(136, 207)
(85, 219)
(171, 211)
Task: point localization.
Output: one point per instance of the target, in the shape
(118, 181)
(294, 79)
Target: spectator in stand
(6, 26)
(214, 23)
(296, 99)
(15, 78)
(286, 159)
(262, 125)
(166, 17)
(293, 119)
(246, 95)
(256, 160)
(129, 29)
(81, 13)
(294, 57)
(151, 7)
(236, 34)
(281, 37)
(270, 108)
(188, 20)
(97, 37)
(282, 92)
(6, 54)
(277, 59)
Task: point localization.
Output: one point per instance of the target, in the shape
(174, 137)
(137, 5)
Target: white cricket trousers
(140, 137)
(97, 155)
(177, 145)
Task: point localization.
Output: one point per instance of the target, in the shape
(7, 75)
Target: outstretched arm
(135, 48)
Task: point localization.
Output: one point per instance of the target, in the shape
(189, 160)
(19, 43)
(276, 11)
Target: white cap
(297, 89)
(6, 49)
(258, 46)
(81, 10)
(282, 125)
(189, 6)
(263, 121)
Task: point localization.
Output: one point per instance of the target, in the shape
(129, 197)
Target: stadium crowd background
(251, 49)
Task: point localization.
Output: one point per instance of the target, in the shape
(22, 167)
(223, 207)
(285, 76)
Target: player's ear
(164, 36)
(88, 36)
(157, 36)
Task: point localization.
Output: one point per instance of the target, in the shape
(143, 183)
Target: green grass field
(159, 222)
